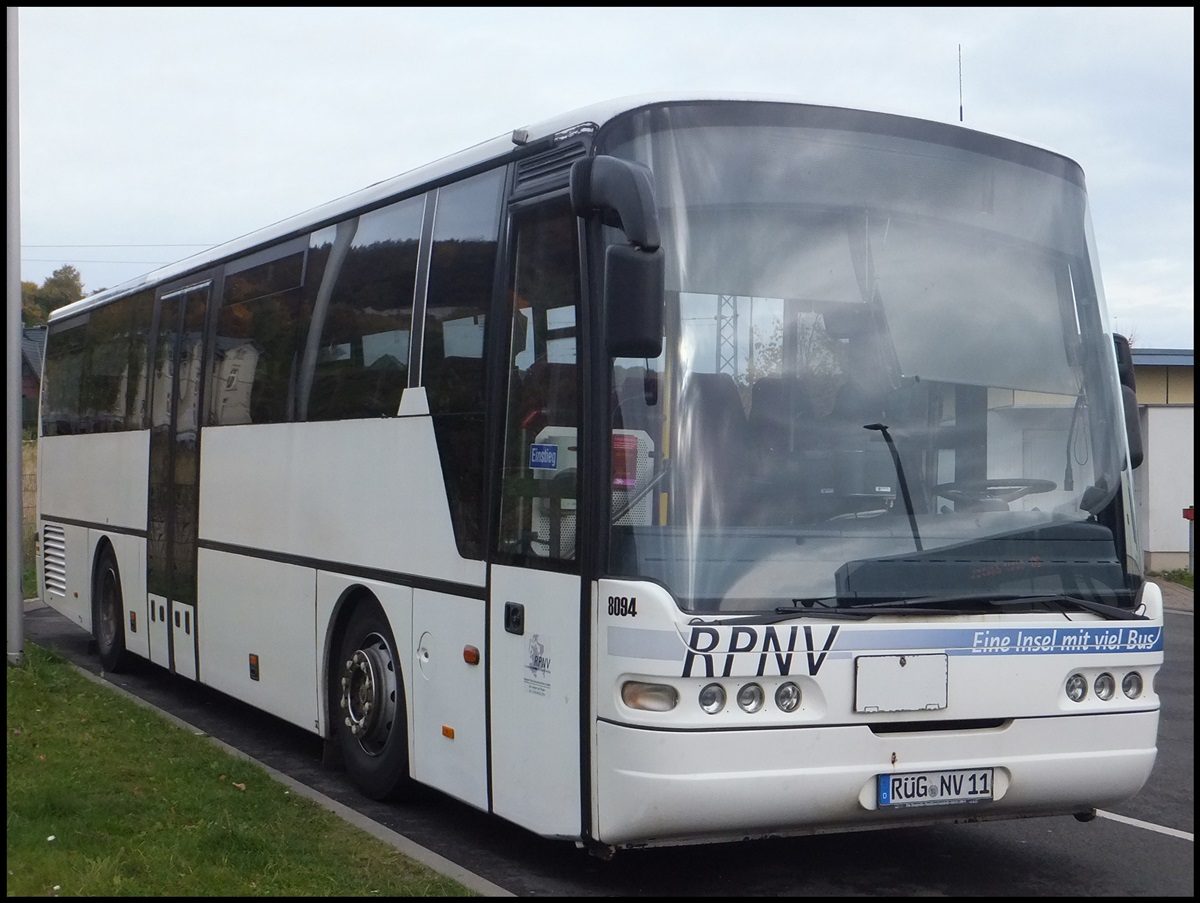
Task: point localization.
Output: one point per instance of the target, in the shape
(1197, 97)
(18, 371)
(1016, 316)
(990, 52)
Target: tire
(369, 715)
(108, 614)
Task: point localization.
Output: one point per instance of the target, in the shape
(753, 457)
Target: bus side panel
(97, 479)
(449, 744)
(66, 560)
(257, 633)
(535, 699)
(367, 493)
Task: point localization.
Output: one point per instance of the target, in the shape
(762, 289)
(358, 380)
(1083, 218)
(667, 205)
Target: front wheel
(370, 720)
(108, 614)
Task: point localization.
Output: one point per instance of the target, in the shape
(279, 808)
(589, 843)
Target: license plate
(935, 788)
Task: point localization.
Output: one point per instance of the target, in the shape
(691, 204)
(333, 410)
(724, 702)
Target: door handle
(514, 618)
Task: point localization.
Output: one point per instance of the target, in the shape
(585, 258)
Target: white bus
(678, 470)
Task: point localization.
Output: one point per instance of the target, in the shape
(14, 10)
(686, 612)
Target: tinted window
(461, 274)
(141, 308)
(65, 345)
(540, 480)
(95, 378)
(260, 334)
(362, 314)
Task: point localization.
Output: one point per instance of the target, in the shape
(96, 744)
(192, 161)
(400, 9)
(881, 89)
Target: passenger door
(535, 611)
(177, 395)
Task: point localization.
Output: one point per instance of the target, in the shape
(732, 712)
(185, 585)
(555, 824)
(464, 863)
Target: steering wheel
(993, 490)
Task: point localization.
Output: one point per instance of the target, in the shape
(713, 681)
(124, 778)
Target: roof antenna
(960, 112)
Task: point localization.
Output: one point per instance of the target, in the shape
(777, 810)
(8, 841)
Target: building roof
(1163, 357)
(33, 346)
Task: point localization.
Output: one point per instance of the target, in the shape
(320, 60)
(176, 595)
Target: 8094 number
(622, 606)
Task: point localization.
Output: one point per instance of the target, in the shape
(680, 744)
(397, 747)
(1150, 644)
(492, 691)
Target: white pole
(16, 602)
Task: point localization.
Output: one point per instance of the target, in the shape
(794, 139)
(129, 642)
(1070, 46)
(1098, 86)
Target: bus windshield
(886, 375)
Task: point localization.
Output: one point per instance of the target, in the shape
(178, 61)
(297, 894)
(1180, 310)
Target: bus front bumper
(658, 787)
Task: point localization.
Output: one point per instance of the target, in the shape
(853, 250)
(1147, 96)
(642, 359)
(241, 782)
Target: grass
(29, 587)
(1182, 576)
(106, 798)
(28, 516)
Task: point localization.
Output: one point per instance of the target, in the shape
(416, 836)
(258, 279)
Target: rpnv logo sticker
(543, 457)
(537, 680)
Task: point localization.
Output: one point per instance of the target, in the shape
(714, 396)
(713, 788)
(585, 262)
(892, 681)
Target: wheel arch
(379, 758)
(351, 598)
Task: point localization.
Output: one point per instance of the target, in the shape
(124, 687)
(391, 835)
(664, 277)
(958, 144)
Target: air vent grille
(548, 169)
(54, 559)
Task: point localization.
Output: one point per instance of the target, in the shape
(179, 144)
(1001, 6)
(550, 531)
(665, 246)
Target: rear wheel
(108, 614)
(370, 719)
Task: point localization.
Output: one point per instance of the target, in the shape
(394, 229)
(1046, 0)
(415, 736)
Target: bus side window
(360, 289)
(540, 481)
(260, 333)
(63, 378)
(461, 277)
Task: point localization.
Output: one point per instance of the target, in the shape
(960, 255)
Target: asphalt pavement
(1177, 597)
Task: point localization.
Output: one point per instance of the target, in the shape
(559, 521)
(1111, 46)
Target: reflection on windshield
(851, 316)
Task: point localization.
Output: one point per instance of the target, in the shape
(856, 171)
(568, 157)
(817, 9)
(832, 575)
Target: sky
(149, 134)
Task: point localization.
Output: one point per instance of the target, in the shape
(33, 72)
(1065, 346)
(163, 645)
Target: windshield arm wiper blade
(1000, 600)
(1112, 612)
(908, 505)
(785, 614)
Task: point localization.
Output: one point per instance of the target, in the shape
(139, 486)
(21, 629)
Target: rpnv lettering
(763, 649)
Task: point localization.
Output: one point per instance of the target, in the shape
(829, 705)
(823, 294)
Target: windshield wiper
(785, 614)
(908, 505)
(853, 609)
(1060, 601)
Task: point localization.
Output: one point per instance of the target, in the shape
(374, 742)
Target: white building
(1166, 480)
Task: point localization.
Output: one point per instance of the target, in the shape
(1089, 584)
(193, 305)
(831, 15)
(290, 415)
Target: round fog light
(1105, 686)
(787, 697)
(712, 698)
(750, 698)
(1076, 687)
(1131, 685)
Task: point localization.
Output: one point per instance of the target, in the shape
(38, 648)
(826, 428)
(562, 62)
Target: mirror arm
(600, 184)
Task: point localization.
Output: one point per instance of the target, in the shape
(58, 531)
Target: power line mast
(727, 334)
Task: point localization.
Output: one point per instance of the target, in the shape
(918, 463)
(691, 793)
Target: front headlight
(649, 697)
(751, 697)
(787, 697)
(1077, 687)
(712, 698)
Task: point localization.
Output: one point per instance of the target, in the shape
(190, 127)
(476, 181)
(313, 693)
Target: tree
(31, 312)
(61, 287)
(814, 356)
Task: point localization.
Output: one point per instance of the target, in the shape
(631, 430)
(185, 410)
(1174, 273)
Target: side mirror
(634, 283)
(1124, 361)
(1133, 424)
(1133, 427)
(622, 193)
